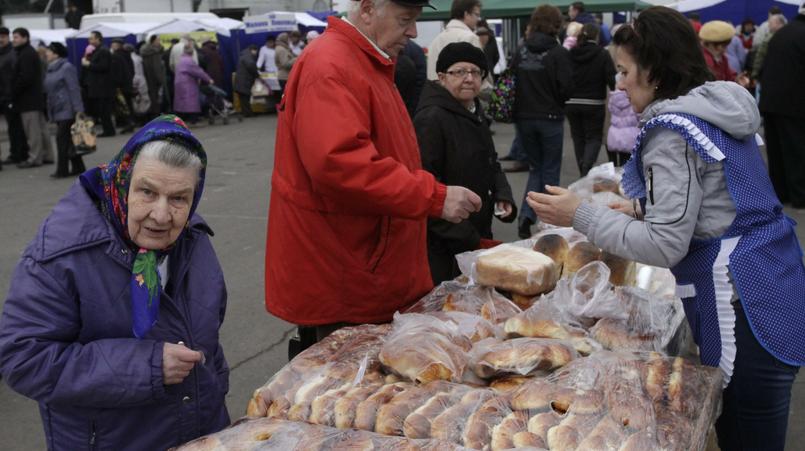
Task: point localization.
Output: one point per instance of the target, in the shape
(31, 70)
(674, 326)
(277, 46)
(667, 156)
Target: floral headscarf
(109, 185)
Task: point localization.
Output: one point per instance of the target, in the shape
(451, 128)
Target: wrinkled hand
(459, 203)
(506, 207)
(177, 361)
(558, 207)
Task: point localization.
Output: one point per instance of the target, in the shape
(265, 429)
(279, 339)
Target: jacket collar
(76, 224)
(434, 94)
(56, 65)
(350, 31)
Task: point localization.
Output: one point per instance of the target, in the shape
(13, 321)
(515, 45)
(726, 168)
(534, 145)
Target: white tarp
(45, 37)
(306, 20)
(222, 25)
(270, 22)
(118, 29)
(179, 26)
(693, 5)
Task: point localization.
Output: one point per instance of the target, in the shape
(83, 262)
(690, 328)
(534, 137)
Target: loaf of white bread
(516, 269)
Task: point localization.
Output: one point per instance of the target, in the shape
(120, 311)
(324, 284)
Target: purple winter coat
(188, 74)
(623, 128)
(66, 338)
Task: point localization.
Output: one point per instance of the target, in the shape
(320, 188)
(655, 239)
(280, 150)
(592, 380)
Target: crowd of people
(121, 87)
(374, 192)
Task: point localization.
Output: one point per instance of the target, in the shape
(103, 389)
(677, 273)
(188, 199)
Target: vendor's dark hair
(546, 19)
(459, 7)
(663, 41)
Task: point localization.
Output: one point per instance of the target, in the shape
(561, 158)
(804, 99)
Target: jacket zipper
(92, 435)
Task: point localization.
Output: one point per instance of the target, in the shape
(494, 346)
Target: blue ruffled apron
(759, 250)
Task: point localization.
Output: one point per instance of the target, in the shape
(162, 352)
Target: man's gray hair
(355, 5)
(171, 153)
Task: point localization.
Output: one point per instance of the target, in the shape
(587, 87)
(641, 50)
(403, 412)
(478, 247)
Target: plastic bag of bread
(587, 295)
(648, 322)
(602, 178)
(474, 327)
(268, 434)
(342, 355)
(423, 348)
(516, 269)
(522, 356)
(454, 296)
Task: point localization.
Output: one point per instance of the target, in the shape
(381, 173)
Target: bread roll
(526, 440)
(417, 424)
(524, 302)
(579, 255)
(392, 415)
(614, 334)
(503, 433)
(606, 435)
(366, 412)
(563, 438)
(554, 246)
(601, 185)
(656, 373)
(478, 432)
(516, 269)
(622, 271)
(449, 425)
(499, 309)
(640, 441)
(346, 406)
(508, 383)
(540, 423)
(521, 356)
(528, 325)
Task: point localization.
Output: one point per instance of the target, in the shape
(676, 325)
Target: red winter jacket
(720, 69)
(349, 199)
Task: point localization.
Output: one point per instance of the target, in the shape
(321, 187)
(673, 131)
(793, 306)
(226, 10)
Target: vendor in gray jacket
(703, 205)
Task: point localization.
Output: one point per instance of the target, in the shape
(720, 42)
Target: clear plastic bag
(269, 434)
(422, 348)
(472, 326)
(452, 296)
(523, 356)
(602, 178)
(516, 269)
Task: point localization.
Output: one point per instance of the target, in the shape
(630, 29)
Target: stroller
(217, 104)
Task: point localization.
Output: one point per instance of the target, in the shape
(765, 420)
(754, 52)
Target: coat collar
(345, 28)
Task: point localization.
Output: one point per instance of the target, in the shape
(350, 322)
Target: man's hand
(177, 361)
(558, 207)
(85, 62)
(459, 203)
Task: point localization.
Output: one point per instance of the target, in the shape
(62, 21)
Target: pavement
(235, 204)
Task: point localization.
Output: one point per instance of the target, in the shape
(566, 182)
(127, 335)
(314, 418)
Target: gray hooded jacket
(690, 196)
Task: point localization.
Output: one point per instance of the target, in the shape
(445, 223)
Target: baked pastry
(366, 412)
(541, 423)
(615, 334)
(579, 255)
(504, 432)
(520, 356)
(346, 406)
(516, 269)
(563, 438)
(527, 440)
(523, 301)
(499, 309)
(418, 423)
(621, 271)
(601, 185)
(506, 384)
(478, 432)
(553, 246)
(449, 425)
(390, 416)
(607, 434)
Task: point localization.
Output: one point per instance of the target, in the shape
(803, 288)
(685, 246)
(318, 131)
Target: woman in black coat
(457, 147)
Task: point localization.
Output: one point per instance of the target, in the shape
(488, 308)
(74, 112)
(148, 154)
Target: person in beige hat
(715, 37)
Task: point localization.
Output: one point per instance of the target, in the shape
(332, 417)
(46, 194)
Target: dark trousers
(17, 141)
(65, 152)
(245, 104)
(785, 147)
(542, 143)
(756, 401)
(587, 131)
(618, 158)
(102, 107)
(307, 336)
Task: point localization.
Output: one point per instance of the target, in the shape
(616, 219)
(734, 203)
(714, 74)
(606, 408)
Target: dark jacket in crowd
(784, 71)
(123, 71)
(246, 73)
(27, 93)
(99, 74)
(492, 53)
(544, 78)
(213, 63)
(7, 57)
(457, 147)
(66, 338)
(63, 91)
(405, 79)
(593, 71)
(73, 19)
(153, 67)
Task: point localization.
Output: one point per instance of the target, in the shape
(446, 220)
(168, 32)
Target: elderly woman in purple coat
(112, 318)
(189, 74)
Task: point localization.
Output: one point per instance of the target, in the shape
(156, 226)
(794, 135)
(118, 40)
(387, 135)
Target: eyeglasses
(461, 73)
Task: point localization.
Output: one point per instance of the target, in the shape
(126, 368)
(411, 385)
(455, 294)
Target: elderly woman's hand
(557, 208)
(177, 362)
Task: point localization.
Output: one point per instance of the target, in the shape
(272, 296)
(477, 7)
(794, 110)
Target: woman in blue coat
(111, 322)
(64, 102)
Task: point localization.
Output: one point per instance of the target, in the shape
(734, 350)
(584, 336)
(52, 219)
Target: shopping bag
(83, 134)
(501, 102)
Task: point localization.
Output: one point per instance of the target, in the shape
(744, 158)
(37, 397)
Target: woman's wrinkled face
(633, 80)
(463, 81)
(160, 197)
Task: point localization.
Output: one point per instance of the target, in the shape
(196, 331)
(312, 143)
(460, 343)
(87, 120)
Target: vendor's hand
(177, 361)
(558, 207)
(459, 203)
(85, 62)
(743, 80)
(506, 207)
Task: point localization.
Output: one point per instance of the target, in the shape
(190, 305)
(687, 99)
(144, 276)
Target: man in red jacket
(349, 198)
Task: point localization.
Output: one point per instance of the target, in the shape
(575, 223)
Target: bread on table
(449, 425)
(621, 271)
(478, 431)
(579, 255)
(504, 432)
(520, 356)
(518, 270)
(554, 246)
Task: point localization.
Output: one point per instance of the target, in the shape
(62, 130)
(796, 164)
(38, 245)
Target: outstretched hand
(558, 207)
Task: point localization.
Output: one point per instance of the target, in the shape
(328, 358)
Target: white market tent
(117, 29)
(179, 26)
(306, 20)
(92, 19)
(221, 25)
(45, 37)
(278, 21)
